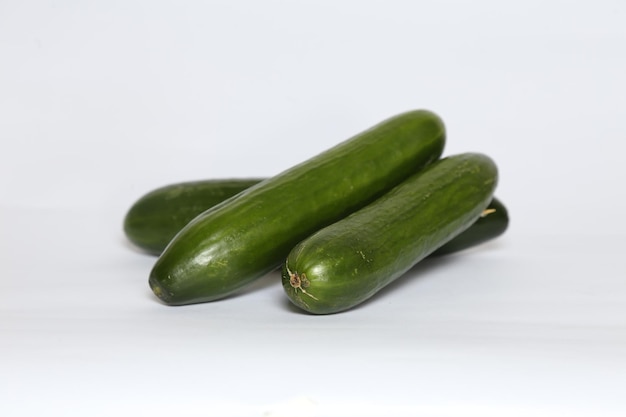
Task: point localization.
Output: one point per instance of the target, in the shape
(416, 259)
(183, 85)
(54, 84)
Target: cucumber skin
(155, 218)
(245, 237)
(489, 226)
(346, 263)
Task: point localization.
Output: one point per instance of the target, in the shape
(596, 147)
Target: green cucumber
(344, 264)
(155, 218)
(493, 222)
(251, 233)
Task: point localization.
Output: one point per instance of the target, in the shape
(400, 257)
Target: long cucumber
(248, 235)
(346, 263)
(155, 218)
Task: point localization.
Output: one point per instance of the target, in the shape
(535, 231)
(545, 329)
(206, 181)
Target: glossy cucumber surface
(346, 263)
(248, 235)
(155, 218)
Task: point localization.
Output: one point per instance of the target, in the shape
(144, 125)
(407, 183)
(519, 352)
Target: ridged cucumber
(248, 235)
(155, 218)
(344, 264)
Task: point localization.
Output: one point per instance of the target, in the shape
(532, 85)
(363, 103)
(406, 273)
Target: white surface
(102, 101)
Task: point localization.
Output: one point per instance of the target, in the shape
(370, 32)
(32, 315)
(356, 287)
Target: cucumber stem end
(299, 281)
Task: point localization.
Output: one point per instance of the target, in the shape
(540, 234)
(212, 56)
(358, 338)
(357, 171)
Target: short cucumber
(155, 218)
(344, 264)
(248, 235)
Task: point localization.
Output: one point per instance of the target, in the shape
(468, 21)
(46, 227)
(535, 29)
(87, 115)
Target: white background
(102, 101)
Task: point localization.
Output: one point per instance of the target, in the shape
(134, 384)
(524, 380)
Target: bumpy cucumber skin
(492, 223)
(155, 218)
(346, 263)
(240, 240)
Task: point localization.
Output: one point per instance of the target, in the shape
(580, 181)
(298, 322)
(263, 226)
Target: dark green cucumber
(248, 235)
(492, 223)
(344, 264)
(154, 219)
